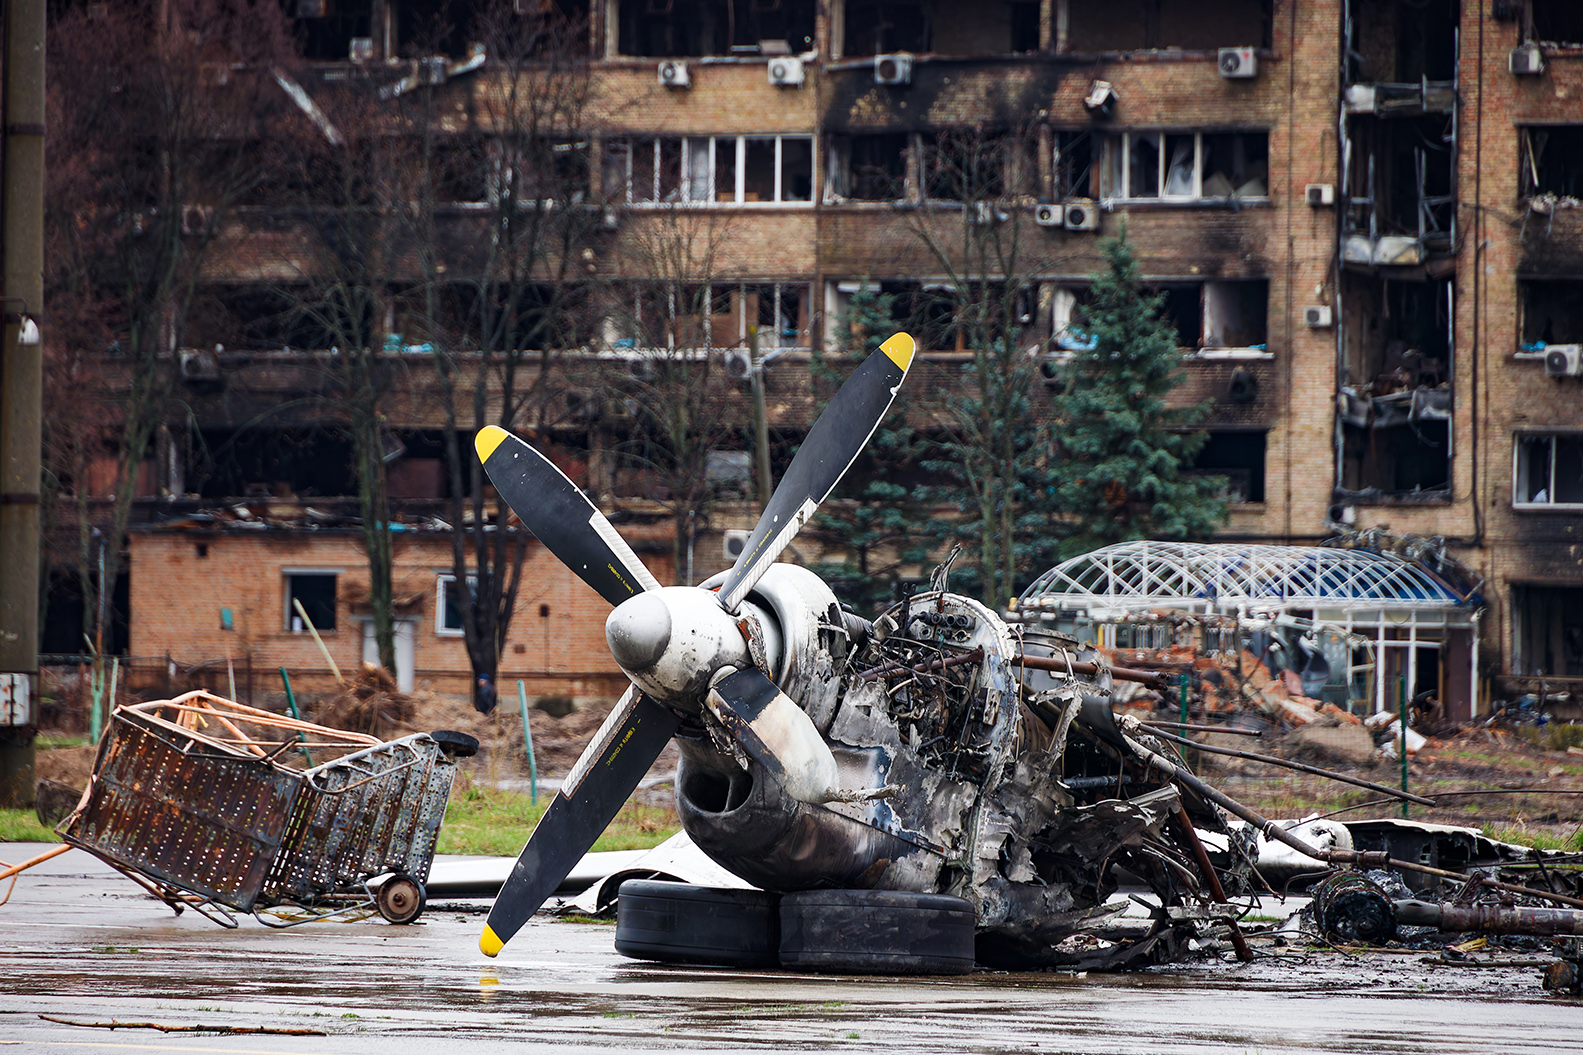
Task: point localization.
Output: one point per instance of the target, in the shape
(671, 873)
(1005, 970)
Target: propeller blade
(833, 444)
(561, 516)
(610, 767)
(777, 734)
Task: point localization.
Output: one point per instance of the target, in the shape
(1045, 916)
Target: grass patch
(1557, 736)
(22, 826)
(47, 742)
(1524, 836)
(482, 820)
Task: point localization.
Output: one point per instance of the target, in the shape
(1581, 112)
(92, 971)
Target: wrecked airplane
(935, 750)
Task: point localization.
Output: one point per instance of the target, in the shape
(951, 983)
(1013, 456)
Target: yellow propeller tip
(488, 942)
(899, 348)
(489, 437)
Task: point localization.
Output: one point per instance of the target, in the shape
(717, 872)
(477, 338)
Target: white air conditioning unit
(738, 366)
(1525, 60)
(1080, 214)
(1564, 360)
(1320, 194)
(733, 542)
(434, 69)
(1317, 317)
(1049, 216)
(893, 69)
(674, 74)
(361, 49)
(786, 72)
(1238, 62)
(200, 365)
(983, 214)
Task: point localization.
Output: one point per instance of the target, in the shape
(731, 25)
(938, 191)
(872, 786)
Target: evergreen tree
(1125, 448)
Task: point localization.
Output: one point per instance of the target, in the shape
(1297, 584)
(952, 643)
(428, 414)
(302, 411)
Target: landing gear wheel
(680, 923)
(455, 744)
(400, 899)
(876, 932)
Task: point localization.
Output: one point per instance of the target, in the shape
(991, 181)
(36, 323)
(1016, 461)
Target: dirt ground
(1524, 785)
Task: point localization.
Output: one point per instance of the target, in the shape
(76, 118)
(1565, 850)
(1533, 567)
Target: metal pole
(1401, 719)
(291, 704)
(21, 376)
(761, 428)
(1184, 704)
(527, 743)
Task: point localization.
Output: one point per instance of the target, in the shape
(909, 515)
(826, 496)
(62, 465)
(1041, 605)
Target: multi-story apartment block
(1363, 214)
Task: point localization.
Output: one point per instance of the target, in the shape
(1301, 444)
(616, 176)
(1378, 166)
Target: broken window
(971, 165)
(1237, 455)
(538, 168)
(670, 317)
(1074, 164)
(328, 27)
(868, 167)
(1547, 630)
(1191, 25)
(269, 461)
(1551, 159)
(1184, 165)
(1548, 470)
(315, 592)
(683, 28)
(723, 169)
(1397, 335)
(1067, 304)
(431, 27)
(1235, 314)
(1552, 312)
(1557, 22)
(879, 27)
(927, 310)
(1400, 186)
(462, 169)
(448, 604)
(779, 310)
(1402, 41)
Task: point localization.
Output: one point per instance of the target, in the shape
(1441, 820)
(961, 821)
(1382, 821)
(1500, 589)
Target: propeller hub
(638, 631)
(673, 640)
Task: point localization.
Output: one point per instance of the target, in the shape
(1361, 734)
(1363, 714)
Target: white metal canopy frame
(1230, 577)
(1402, 605)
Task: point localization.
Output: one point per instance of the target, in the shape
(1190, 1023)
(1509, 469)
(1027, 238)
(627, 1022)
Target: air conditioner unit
(610, 219)
(195, 219)
(361, 49)
(674, 74)
(1238, 62)
(733, 542)
(1317, 317)
(200, 365)
(738, 365)
(1049, 216)
(1080, 214)
(893, 69)
(1525, 60)
(786, 72)
(1564, 360)
(1321, 194)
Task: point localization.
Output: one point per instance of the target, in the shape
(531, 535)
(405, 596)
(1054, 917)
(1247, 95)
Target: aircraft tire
(681, 923)
(876, 932)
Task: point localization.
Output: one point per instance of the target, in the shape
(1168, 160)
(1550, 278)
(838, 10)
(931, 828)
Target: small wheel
(400, 899)
(876, 932)
(681, 923)
(455, 744)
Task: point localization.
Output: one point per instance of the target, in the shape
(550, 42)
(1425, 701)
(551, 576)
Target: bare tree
(147, 101)
(677, 314)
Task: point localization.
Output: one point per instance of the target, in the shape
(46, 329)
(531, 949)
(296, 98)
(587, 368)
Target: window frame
(1519, 475)
(1114, 145)
(287, 596)
(688, 181)
(444, 582)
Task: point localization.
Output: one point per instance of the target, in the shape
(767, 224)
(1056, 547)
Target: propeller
(685, 649)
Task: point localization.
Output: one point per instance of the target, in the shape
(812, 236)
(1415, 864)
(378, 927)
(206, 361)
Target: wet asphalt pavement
(81, 943)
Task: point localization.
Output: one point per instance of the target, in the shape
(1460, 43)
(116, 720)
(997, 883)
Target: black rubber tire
(876, 932)
(401, 898)
(455, 744)
(681, 923)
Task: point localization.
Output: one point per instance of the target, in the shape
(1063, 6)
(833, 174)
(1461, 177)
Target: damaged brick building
(1364, 216)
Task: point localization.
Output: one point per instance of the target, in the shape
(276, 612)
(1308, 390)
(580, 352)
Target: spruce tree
(1123, 447)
